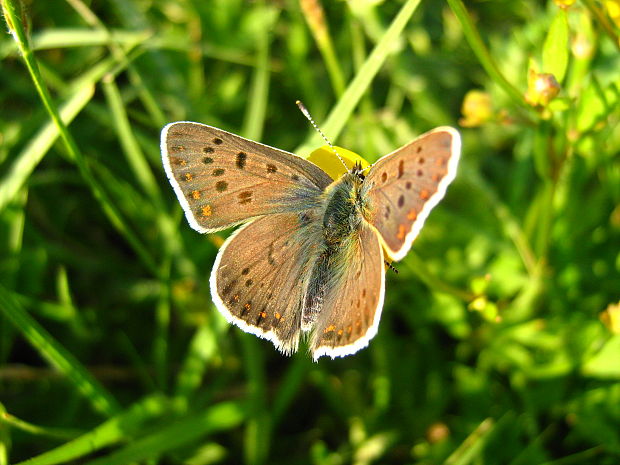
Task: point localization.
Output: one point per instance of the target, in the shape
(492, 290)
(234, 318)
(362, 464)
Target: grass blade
(223, 416)
(17, 30)
(259, 93)
(358, 86)
(117, 429)
(52, 351)
(28, 159)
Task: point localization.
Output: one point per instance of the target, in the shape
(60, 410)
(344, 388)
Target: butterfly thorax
(344, 209)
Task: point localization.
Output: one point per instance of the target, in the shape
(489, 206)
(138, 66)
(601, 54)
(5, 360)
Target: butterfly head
(358, 170)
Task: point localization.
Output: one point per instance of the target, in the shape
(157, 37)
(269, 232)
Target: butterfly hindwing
(222, 179)
(260, 273)
(351, 306)
(405, 185)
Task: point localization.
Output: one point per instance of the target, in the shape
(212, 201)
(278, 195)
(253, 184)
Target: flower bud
(541, 88)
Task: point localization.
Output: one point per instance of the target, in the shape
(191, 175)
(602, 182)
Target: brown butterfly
(310, 256)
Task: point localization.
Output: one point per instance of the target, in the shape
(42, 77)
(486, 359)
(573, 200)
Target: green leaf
(606, 362)
(555, 49)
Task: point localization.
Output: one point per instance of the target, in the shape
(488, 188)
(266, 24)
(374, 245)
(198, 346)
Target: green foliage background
(495, 345)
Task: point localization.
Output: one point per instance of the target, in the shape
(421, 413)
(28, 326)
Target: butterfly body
(340, 219)
(310, 258)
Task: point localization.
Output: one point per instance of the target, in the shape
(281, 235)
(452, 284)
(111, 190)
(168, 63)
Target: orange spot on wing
(329, 328)
(340, 331)
(206, 210)
(247, 306)
(188, 176)
(402, 231)
(263, 314)
(195, 195)
(424, 194)
(278, 316)
(412, 215)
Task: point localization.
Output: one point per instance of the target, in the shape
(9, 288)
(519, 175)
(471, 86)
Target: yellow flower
(613, 10)
(476, 109)
(564, 4)
(611, 318)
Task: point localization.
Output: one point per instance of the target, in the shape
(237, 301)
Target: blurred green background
(500, 336)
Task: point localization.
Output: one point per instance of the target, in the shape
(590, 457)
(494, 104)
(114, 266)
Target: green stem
(36, 430)
(416, 265)
(481, 51)
(604, 22)
(509, 224)
(258, 428)
(147, 98)
(254, 120)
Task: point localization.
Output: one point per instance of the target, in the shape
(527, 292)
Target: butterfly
(310, 255)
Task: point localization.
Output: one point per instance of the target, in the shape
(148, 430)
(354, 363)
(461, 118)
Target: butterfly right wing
(352, 297)
(222, 179)
(260, 274)
(406, 184)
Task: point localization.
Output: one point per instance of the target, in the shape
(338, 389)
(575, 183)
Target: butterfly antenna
(306, 113)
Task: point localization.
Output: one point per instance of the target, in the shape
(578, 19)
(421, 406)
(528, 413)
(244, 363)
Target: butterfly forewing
(259, 275)
(352, 305)
(222, 179)
(406, 184)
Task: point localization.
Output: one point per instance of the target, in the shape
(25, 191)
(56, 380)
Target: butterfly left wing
(406, 184)
(222, 179)
(351, 306)
(260, 273)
